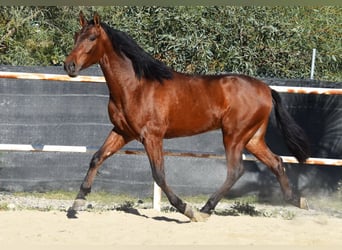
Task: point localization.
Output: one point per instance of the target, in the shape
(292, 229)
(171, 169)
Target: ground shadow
(167, 219)
(136, 212)
(133, 211)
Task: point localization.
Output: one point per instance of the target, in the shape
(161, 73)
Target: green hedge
(259, 41)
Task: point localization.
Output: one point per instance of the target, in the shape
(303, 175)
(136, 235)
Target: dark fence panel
(65, 113)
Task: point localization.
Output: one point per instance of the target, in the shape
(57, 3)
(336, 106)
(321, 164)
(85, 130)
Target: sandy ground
(147, 227)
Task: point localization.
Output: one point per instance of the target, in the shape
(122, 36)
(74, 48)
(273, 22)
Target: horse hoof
(78, 205)
(303, 203)
(71, 214)
(200, 217)
(195, 216)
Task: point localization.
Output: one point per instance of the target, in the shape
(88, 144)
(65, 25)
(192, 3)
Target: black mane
(144, 64)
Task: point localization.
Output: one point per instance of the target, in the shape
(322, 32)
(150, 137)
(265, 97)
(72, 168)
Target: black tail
(294, 135)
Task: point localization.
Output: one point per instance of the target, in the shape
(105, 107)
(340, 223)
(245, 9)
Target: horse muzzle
(71, 68)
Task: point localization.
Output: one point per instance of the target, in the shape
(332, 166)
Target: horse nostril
(70, 68)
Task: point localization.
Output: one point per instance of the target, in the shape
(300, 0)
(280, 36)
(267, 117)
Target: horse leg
(112, 144)
(233, 148)
(258, 147)
(154, 150)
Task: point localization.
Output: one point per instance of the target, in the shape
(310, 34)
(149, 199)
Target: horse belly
(191, 121)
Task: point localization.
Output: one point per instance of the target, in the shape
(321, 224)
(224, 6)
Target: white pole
(89, 149)
(157, 193)
(313, 64)
(50, 77)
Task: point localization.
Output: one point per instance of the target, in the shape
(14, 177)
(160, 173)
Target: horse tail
(294, 135)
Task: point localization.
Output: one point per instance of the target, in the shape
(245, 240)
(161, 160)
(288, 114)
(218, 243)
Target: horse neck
(119, 74)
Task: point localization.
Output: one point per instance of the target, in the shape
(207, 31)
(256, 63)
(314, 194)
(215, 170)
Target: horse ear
(83, 21)
(97, 19)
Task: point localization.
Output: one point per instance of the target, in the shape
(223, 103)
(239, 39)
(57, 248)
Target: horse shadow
(134, 211)
(167, 219)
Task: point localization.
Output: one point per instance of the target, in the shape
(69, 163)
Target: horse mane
(143, 63)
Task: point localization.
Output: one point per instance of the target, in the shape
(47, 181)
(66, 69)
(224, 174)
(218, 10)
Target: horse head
(88, 48)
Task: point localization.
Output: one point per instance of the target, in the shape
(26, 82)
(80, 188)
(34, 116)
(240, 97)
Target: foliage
(239, 208)
(125, 207)
(255, 40)
(4, 206)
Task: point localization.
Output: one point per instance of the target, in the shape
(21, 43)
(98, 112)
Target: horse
(149, 101)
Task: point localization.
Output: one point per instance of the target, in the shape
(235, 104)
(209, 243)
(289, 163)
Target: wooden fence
(157, 191)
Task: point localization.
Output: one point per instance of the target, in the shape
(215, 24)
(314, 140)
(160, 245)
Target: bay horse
(148, 101)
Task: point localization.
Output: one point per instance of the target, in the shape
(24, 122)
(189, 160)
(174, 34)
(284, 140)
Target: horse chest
(123, 120)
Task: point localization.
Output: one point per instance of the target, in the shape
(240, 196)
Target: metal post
(313, 64)
(157, 193)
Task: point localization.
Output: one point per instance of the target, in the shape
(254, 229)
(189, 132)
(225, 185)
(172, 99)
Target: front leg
(112, 144)
(154, 150)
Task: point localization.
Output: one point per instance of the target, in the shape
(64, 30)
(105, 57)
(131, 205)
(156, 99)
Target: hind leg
(233, 146)
(257, 147)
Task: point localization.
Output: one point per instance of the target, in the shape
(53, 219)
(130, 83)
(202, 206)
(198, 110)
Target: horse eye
(92, 38)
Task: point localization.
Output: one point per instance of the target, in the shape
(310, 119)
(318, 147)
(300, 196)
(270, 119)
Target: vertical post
(313, 64)
(157, 193)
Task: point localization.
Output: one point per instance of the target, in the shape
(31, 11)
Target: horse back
(201, 103)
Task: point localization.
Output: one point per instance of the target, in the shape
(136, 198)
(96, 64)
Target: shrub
(255, 40)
